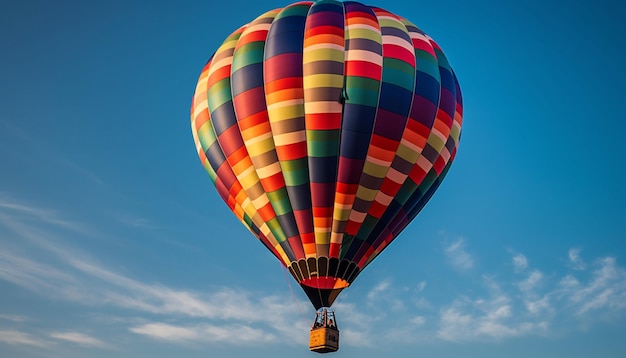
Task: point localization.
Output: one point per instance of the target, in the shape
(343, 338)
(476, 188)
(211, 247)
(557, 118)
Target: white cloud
(58, 272)
(21, 338)
(490, 318)
(29, 273)
(231, 334)
(381, 287)
(520, 262)
(458, 256)
(78, 338)
(605, 290)
(538, 306)
(13, 318)
(527, 303)
(13, 211)
(575, 261)
(384, 293)
(167, 332)
(418, 321)
(531, 282)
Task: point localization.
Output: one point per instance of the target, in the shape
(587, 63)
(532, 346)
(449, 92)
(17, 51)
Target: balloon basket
(324, 333)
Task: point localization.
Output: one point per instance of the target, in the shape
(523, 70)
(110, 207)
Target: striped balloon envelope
(326, 127)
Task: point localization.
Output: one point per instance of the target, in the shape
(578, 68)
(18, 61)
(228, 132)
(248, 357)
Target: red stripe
(238, 156)
(255, 36)
(313, 30)
(323, 121)
(291, 151)
(284, 83)
(323, 282)
(274, 182)
(305, 225)
(400, 53)
(377, 209)
(281, 66)
(255, 120)
(417, 174)
(230, 140)
(364, 69)
(352, 227)
(440, 164)
(423, 45)
(249, 102)
(334, 250)
(296, 247)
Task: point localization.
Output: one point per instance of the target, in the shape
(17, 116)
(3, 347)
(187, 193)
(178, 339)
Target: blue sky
(114, 243)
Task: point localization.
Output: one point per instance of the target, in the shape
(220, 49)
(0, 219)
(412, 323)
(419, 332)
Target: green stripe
(294, 10)
(426, 63)
(323, 143)
(399, 73)
(280, 201)
(206, 135)
(248, 54)
(362, 90)
(219, 94)
(296, 172)
(276, 229)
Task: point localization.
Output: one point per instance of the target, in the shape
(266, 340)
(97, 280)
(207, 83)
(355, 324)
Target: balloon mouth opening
(322, 291)
(325, 282)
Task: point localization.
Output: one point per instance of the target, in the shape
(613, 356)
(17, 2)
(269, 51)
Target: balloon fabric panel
(326, 127)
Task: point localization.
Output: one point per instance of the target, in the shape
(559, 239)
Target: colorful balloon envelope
(326, 127)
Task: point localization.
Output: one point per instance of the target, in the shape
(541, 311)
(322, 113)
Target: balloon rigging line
(293, 295)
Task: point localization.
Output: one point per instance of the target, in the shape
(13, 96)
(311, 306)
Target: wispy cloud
(13, 211)
(533, 279)
(230, 334)
(22, 338)
(13, 318)
(237, 311)
(492, 318)
(78, 338)
(459, 258)
(605, 290)
(381, 287)
(520, 262)
(524, 301)
(576, 262)
(64, 273)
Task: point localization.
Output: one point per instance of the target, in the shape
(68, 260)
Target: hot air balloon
(326, 126)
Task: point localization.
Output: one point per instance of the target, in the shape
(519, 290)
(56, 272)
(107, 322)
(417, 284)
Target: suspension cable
(293, 295)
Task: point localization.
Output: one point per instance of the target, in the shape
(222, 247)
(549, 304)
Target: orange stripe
(323, 39)
(218, 75)
(284, 83)
(341, 198)
(201, 119)
(254, 120)
(381, 154)
(267, 212)
(252, 132)
(255, 36)
(284, 95)
(238, 155)
(442, 127)
(362, 18)
(415, 138)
